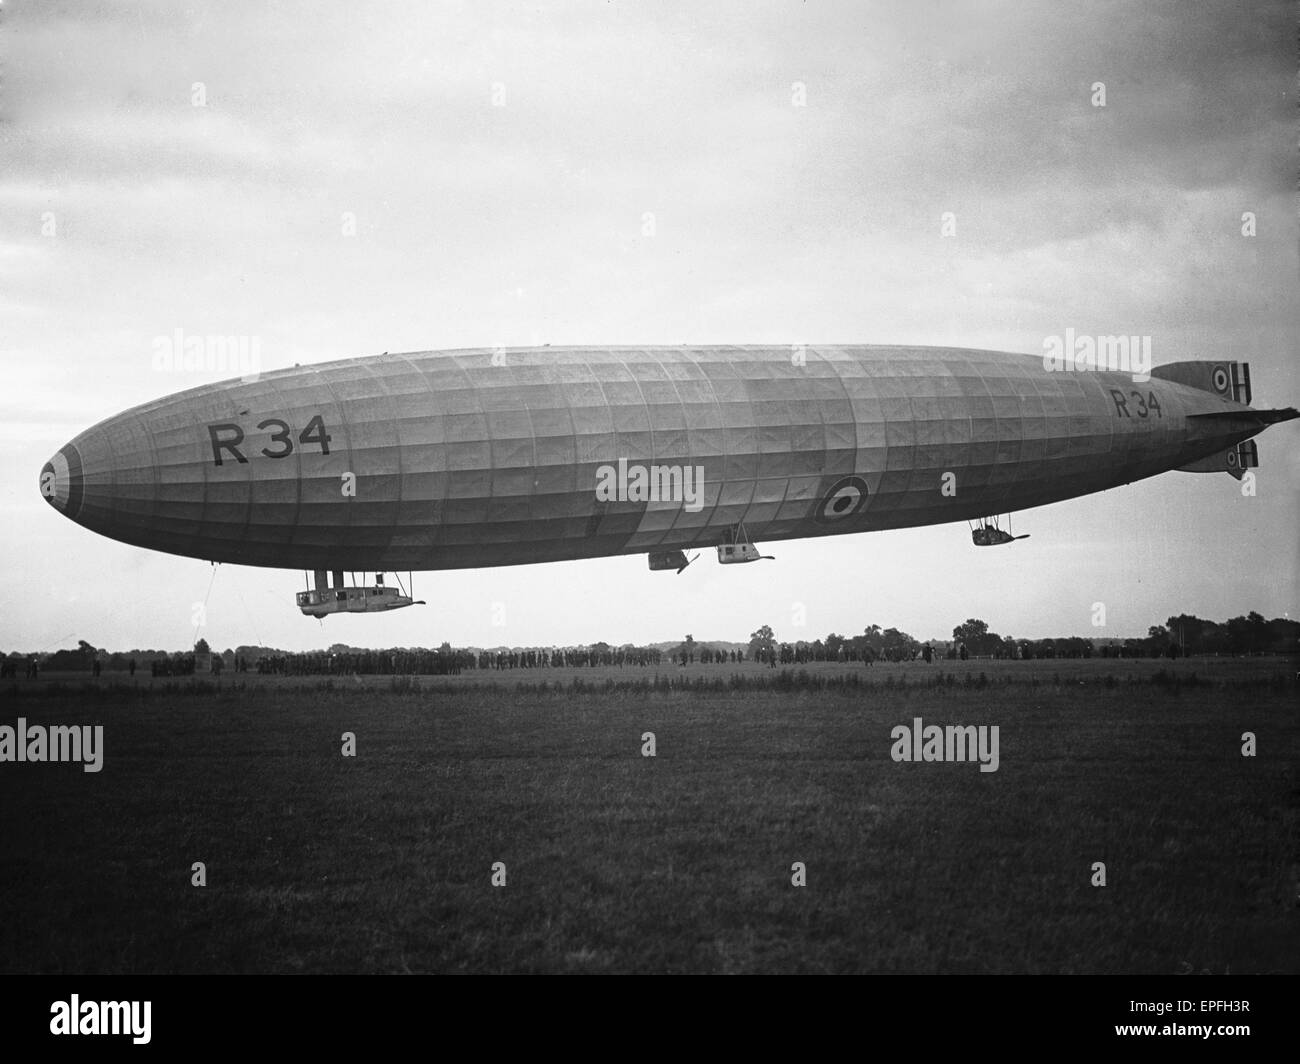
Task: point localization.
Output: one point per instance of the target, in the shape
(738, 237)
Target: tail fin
(1245, 455)
(1235, 460)
(1259, 420)
(1231, 380)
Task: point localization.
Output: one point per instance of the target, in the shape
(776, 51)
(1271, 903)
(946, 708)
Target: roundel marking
(1232, 458)
(847, 497)
(1219, 379)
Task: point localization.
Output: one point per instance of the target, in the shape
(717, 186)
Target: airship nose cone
(103, 479)
(62, 482)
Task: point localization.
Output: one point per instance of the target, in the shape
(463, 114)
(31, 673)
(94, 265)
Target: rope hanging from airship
(201, 614)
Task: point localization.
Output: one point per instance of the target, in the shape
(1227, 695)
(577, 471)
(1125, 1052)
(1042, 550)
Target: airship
(466, 459)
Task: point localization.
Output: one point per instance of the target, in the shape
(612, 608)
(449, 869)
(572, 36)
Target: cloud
(478, 224)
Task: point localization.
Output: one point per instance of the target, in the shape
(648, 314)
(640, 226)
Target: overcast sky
(500, 160)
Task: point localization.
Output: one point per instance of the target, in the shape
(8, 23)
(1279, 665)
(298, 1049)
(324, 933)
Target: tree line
(1184, 634)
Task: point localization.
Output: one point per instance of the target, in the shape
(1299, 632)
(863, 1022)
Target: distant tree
(1157, 641)
(979, 641)
(762, 643)
(1195, 635)
(1283, 635)
(685, 651)
(70, 660)
(201, 647)
(872, 642)
(898, 646)
(1257, 631)
(1247, 635)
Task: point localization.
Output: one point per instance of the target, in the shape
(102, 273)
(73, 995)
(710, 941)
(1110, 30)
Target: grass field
(617, 862)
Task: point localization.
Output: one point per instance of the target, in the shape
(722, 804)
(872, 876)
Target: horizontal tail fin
(1262, 418)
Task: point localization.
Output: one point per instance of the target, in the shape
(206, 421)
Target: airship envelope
(474, 458)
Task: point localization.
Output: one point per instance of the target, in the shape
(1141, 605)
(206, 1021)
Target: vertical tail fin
(1231, 380)
(1235, 460)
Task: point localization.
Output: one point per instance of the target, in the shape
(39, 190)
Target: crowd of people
(448, 661)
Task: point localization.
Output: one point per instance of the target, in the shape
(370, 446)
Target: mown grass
(681, 862)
